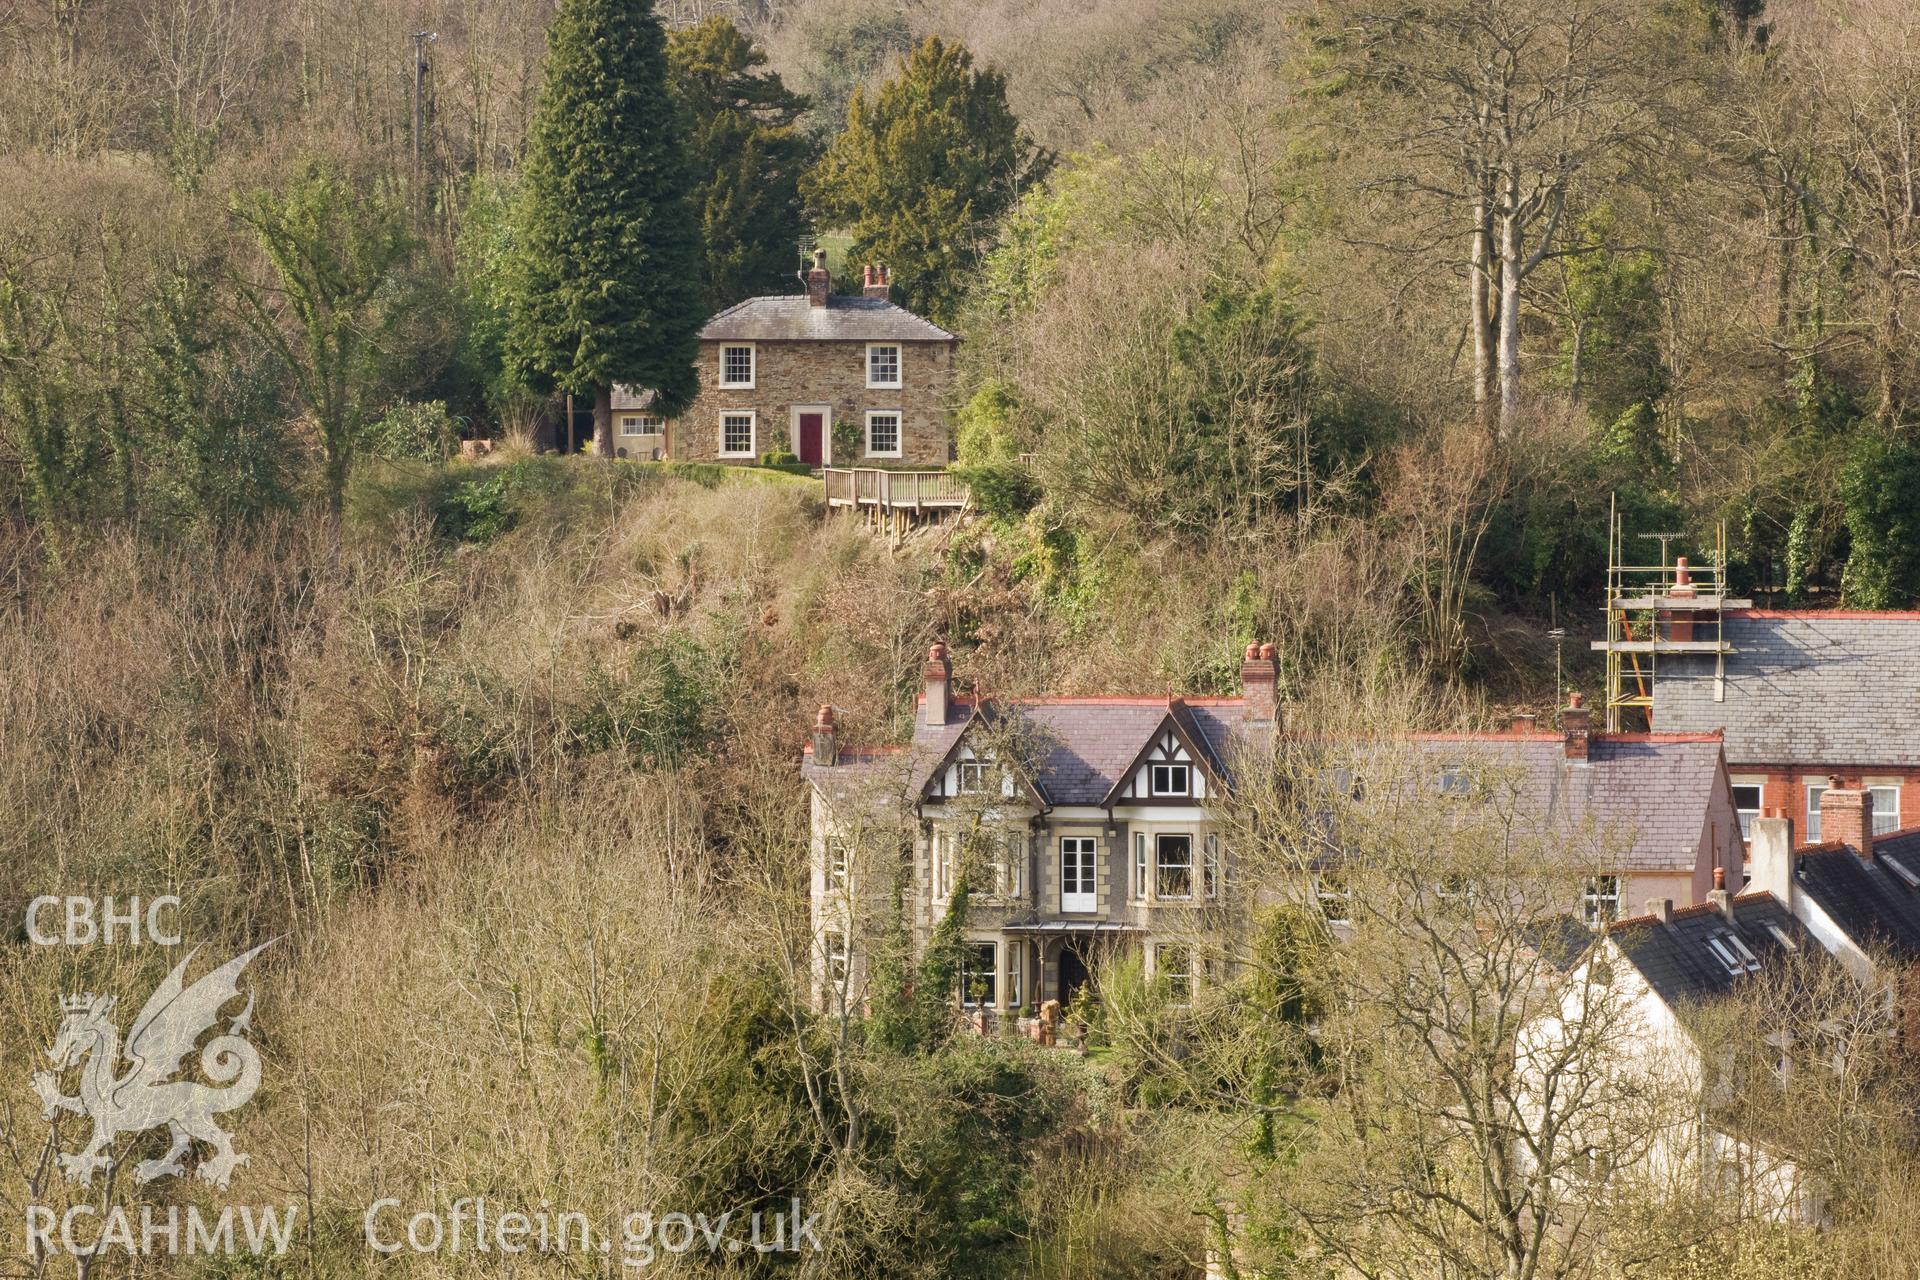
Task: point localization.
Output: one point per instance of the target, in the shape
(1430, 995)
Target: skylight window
(1455, 782)
(1901, 869)
(1730, 950)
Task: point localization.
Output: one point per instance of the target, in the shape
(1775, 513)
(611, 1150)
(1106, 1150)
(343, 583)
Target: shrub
(1003, 490)
(413, 432)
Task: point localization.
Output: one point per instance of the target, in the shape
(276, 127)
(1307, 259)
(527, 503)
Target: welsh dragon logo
(145, 1096)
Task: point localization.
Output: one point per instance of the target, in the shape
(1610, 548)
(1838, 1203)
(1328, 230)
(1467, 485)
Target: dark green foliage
(923, 172)
(607, 262)
(336, 248)
(483, 265)
(1610, 355)
(747, 154)
(913, 1010)
(659, 709)
(413, 431)
(477, 509)
(1881, 492)
(213, 431)
(1003, 490)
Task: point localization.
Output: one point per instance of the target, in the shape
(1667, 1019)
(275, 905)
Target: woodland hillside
(1336, 324)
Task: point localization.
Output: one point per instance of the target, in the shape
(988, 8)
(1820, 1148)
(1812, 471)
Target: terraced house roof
(1804, 688)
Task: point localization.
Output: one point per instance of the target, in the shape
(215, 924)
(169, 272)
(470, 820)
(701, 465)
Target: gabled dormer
(1173, 767)
(969, 774)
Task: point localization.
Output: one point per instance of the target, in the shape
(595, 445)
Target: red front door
(811, 425)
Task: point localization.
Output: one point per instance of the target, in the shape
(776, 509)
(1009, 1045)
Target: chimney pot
(875, 284)
(1719, 877)
(1267, 651)
(1253, 652)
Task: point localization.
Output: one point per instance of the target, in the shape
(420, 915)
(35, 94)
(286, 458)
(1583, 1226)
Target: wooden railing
(893, 490)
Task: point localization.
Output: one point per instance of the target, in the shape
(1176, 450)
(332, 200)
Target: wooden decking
(894, 502)
(894, 490)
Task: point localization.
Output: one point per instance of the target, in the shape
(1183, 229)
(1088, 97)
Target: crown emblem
(76, 1003)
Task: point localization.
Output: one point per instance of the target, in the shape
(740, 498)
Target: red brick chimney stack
(819, 283)
(826, 742)
(1846, 817)
(1575, 723)
(1681, 625)
(877, 284)
(938, 674)
(1259, 683)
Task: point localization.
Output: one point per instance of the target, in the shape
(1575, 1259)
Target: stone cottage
(835, 379)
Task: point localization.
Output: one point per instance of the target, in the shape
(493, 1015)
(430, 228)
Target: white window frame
(839, 863)
(1185, 774)
(1139, 866)
(1161, 866)
(978, 770)
(1013, 866)
(1744, 815)
(637, 424)
(970, 956)
(899, 433)
(753, 366)
(1886, 820)
(942, 865)
(836, 957)
(1814, 791)
(1600, 900)
(1082, 853)
(1210, 866)
(753, 433)
(899, 366)
(1016, 973)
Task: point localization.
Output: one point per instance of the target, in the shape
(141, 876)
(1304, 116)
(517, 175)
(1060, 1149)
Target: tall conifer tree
(608, 286)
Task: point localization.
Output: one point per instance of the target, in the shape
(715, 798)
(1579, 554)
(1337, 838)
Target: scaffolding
(1671, 608)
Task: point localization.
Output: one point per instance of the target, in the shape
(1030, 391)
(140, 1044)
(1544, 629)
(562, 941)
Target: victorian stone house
(835, 379)
(1090, 827)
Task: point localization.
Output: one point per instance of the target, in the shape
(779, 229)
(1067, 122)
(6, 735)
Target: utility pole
(421, 39)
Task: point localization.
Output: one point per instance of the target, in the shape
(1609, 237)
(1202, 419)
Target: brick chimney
(938, 674)
(1259, 683)
(877, 284)
(1680, 621)
(1771, 855)
(1846, 817)
(1525, 722)
(1575, 722)
(819, 283)
(826, 742)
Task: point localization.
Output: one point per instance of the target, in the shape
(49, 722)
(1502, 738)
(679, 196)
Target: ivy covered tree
(607, 285)
(923, 172)
(748, 155)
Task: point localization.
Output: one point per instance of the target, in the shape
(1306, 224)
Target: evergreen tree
(924, 171)
(608, 269)
(748, 154)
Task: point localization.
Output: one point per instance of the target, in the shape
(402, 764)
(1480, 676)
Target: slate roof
(1087, 742)
(1872, 903)
(1804, 688)
(1677, 963)
(845, 318)
(1652, 792)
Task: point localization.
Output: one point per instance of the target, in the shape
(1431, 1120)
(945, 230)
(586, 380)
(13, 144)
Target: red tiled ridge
(1688, 913)
(1508, 735)
(806, 749)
